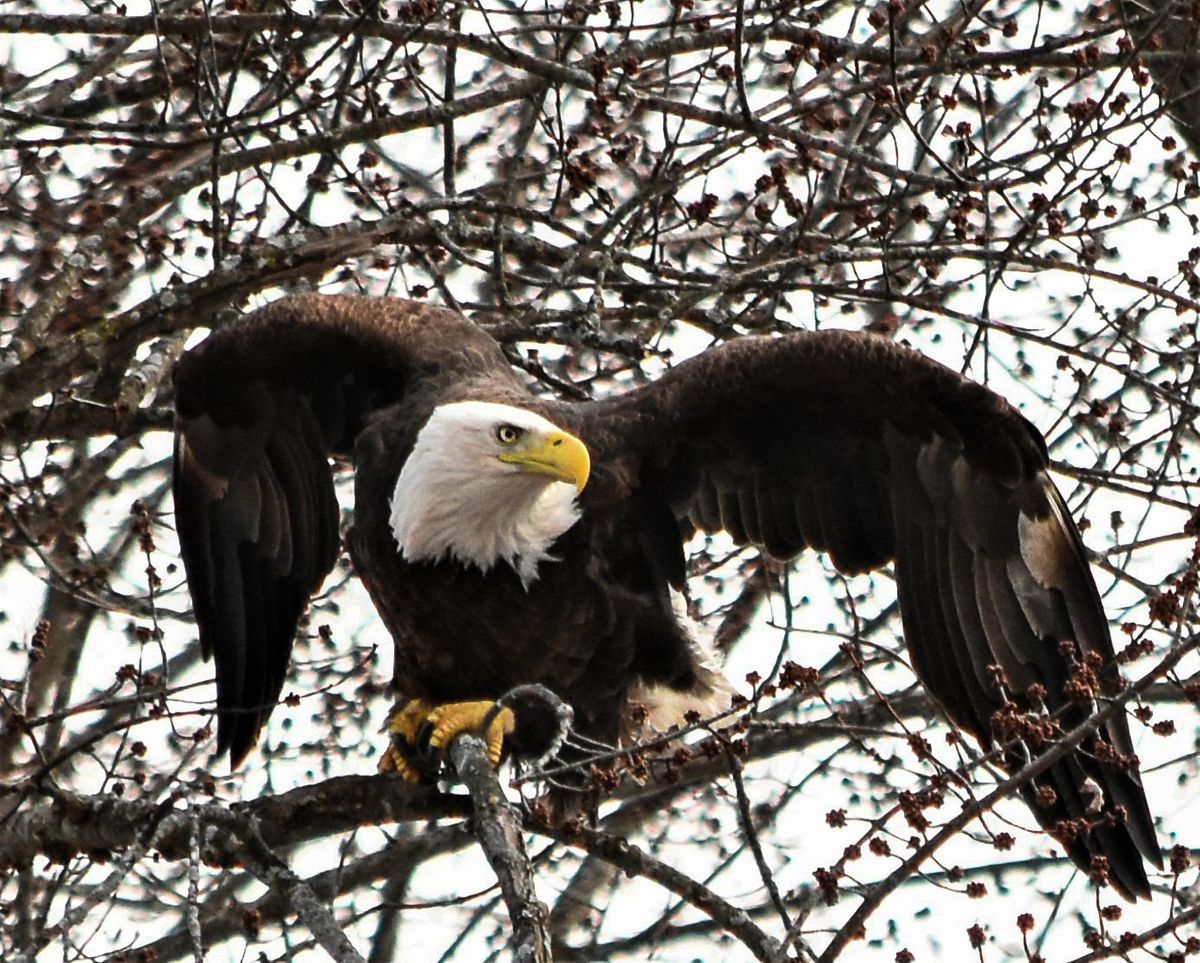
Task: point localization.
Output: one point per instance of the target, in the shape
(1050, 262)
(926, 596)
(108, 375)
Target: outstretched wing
(260, 406)
(861, 448)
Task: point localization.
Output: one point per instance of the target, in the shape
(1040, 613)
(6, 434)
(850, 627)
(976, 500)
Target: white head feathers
(475, 488)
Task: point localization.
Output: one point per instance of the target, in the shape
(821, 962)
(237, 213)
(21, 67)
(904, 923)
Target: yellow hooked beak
(556, 454)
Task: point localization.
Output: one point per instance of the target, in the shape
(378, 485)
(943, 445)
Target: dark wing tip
(237, 734)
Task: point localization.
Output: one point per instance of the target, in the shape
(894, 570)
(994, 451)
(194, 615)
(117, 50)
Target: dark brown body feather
(836, 441)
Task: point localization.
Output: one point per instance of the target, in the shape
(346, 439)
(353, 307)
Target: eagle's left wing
(856, 446)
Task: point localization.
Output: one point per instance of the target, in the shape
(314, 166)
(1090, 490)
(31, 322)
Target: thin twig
(637, 862)
(751, 834)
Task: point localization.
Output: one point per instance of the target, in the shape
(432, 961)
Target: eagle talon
(407, 753)
(420, 731)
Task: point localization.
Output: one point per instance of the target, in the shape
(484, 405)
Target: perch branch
(498, 829)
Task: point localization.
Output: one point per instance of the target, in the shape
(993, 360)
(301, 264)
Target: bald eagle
(511, 539)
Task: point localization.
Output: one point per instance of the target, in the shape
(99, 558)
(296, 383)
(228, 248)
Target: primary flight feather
(508, 539)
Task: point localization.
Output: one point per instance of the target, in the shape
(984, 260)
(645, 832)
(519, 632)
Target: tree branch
(498, 829)
(68, 824)
(296, 893)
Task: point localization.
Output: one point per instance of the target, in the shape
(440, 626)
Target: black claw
(424, 759)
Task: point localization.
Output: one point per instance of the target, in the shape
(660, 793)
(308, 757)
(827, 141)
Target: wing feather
(750, 512)
(705, 510)
(850, 545)
(808, 517)
(867, 482)
(781, 535)
(968, 618)
(973, 660)
(922, 623)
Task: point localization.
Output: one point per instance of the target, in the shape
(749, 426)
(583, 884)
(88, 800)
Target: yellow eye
(508, 434)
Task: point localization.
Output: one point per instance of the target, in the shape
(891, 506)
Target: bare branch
(498, 829)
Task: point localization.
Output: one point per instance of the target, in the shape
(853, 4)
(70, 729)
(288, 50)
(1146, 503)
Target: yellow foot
(418, 724)
(404, 725)
(454, 718)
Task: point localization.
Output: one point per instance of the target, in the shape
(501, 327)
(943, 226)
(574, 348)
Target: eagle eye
(508, 434)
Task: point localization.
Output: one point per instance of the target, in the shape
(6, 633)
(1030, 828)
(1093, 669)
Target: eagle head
(488, 483)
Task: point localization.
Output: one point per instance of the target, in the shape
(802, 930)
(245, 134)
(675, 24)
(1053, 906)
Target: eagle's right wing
(260, 407)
